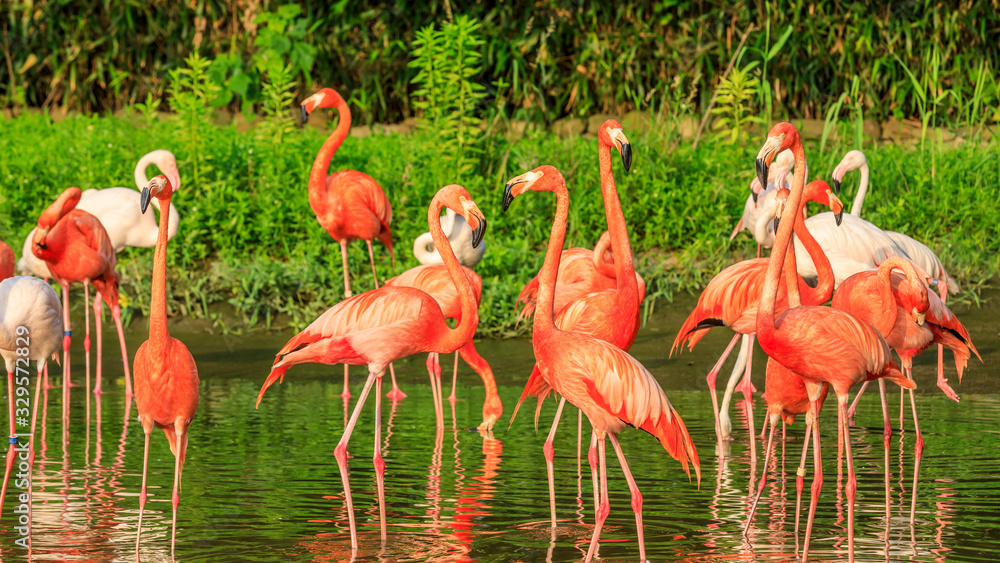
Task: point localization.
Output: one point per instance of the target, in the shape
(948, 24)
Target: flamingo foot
(948, 391)
(452, 398)
(394, 394)
(98, 390)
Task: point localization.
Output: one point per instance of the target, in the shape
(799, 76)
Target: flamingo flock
(834, 300)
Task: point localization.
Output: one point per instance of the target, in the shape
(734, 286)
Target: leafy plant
(191, 91)
(733, 103)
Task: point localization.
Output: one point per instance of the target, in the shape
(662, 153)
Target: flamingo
(348, 204)
(821, 344)
(30, 331)
(166, 377)
(6, 261)
(611, 387)
(611, 314)
(580, 273)
(918, 252)
(731, 299)
(435, 280)
(76, 247)
(117, 209)
(754, 208)
(459, 236)
(385, 324)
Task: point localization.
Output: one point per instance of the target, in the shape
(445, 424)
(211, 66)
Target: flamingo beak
(836, 206)
(919, 318)
(304, 114)
(836, 185)
(776, 221)
(39, 239)
(508, 191)
(766, 155)
(626, 150)
(145, 198)
(479, 232)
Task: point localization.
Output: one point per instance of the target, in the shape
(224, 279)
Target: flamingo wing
(940, 315)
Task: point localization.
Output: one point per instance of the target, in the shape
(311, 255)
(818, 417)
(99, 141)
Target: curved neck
(765, 310)
(317, 177)
(859, 198)
(420, 251)
(792, 278)
(889, 308)
(463, 332)
(824, 271)
(158, 334)
(628, 289)
(544, 320)
(602, 246)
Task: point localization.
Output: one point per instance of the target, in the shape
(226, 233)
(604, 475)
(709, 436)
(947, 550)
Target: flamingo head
(167, 164)
(820, 192)
(611, 134)
(325, 98)
(783, 164)
(852, 161)
(781, 137)
(543, 178)
(65, 203)
(780, 200)
(458, 200)
(159, 187)
(912, 296)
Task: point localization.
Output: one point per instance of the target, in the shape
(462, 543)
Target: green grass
(250, 244)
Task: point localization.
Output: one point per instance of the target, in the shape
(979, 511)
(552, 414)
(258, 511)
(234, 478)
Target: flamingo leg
(747, 389)
(800, 475)
(918, 451)
(739, 369)
(67, 338)
(636, 495)
(175, 498)
(434, 371)
(98, 313)
(347, 270)
(817, 484)
(550, 453)
(146, 428)
(886, 435)
(605, 507)
(854, 406)
(86, 338)
(454, 381)
(395, 393)
(340, 452)
(579, 438)
(592, 459)
(711, 387)
(346, 393)
(377, 460)
(902, 396)
(10, 447)
(763, 476)
(371, 257)
(116, 314)
(852, 480)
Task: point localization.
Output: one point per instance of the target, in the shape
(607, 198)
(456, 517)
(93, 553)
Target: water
(263, 485)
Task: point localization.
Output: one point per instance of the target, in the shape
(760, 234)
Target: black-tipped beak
(836, 187)
(626, 150)
(839, 216)
(776, 221)
(144, 199)
(305, 114)
(761, 166)
(754, 195)
(508, 197)
(478, 233)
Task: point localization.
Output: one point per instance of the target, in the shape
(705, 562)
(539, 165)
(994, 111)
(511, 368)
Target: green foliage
(191, 90)
(282, 38)
(250, 253)
(447, 62)
(733, 103)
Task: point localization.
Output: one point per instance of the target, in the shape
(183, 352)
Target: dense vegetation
(542, 60)
(249, 239)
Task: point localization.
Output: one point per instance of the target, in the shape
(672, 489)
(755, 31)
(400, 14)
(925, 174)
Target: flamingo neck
(158, 333)
(859, 198)
(543, 321)
(824, 270)
(317, 177)
(463, 332)
(628, 288)
(782, 239)
(792, 278)
(889, 308)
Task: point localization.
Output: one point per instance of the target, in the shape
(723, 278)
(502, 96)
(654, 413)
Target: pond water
(263, 485)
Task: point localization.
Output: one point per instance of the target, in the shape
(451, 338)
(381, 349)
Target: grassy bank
(249, 242)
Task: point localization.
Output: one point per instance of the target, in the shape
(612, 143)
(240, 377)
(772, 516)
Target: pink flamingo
(608, 385)
(611, 314)
(385, 324)
(166, 377)
(435, 280)
(821, 344)
(76, 247)
(731, 299)
(348, 204)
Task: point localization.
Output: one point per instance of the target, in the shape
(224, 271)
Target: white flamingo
(31, 330)
(459, 235)
(118, 211)
(919, 253)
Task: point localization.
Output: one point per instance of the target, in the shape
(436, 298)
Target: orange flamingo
(731, 299)
(611, 314)
(378, 326)
(435, 280)
(76, 247)
(580, 274)
(166, 377)
(611, 387)
(348, 204)
(821, 344)
(6, 261)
